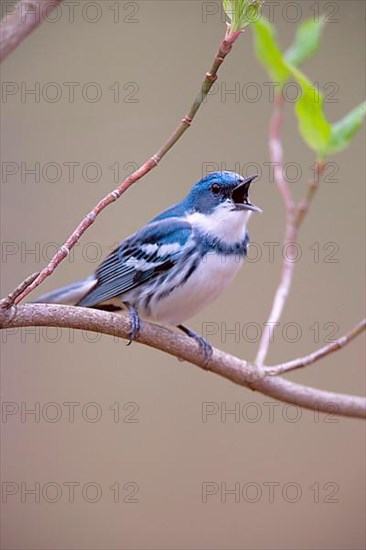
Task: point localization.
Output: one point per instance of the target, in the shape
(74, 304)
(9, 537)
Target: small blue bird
(178, 263)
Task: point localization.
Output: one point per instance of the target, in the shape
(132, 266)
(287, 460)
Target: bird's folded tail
(68, 295)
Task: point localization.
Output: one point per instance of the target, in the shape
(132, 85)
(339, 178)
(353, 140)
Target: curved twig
(318, 354)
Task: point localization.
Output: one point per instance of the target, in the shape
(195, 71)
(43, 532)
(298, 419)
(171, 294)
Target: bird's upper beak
(240, 195)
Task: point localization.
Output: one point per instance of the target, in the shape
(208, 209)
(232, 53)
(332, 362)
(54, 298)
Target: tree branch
(295, 214)
(276, 153)
(318, 354)
(224, 49)
(20, 21)
(232, 368)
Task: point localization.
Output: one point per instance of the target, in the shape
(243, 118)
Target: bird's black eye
(215, 188)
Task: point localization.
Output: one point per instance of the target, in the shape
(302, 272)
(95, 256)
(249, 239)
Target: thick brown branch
(20, 20)
(318, 354)
(176, 344)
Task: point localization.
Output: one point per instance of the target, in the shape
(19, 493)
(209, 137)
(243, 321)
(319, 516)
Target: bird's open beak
(240, 195)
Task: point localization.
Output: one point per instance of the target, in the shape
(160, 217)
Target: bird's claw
(205, 346)
(206, 349)
(135, 324)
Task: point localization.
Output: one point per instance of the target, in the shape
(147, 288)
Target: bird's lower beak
(249, 206)
(240, 196)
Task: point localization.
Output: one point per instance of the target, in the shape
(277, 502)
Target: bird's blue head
(226, 189)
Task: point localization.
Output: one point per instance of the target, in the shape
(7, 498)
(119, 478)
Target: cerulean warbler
(178, 263)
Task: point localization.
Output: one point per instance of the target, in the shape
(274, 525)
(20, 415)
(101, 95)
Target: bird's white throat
(224, 223)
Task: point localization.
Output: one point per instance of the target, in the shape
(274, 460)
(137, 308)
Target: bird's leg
(135, 323)
(204, 344)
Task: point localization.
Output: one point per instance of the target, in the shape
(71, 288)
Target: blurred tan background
(156, 430)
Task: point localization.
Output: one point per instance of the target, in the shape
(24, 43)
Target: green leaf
(315, 129)
(306, 42)
(228, 8)
(344, 130)
(313, 126)
(268, 51)
(241, 13)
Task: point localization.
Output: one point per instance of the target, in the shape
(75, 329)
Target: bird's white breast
(211, 277)
(214, 273)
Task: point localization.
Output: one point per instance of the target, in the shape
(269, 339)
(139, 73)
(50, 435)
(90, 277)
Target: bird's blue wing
(142, 257)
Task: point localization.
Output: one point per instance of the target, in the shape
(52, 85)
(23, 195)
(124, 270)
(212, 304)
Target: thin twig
(232, 368)
(10, 299)
(20, 20)
(295, 214)
(276, 153)
(304, 204)
(211, 76)
(318, 354)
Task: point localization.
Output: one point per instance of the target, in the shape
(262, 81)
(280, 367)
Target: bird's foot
(204, 344)
(135, 324)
